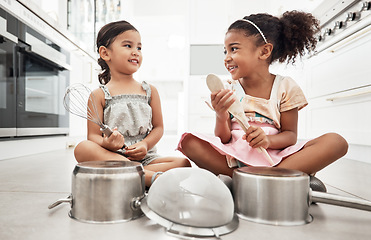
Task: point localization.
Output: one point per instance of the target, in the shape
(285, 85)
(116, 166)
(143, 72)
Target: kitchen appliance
(336, 78)
(280, 196)
(341, 19)
(34, 74)
(105, 191)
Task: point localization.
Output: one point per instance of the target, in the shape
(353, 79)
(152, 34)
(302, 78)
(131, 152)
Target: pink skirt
(240, 150)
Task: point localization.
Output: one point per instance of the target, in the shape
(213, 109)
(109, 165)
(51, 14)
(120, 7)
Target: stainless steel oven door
(41, 85)
(7, 88)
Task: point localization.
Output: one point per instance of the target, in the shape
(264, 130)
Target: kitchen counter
(29, 184)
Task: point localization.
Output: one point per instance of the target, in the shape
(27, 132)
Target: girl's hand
(115, 141)
(256, 137)
(221, 101)
(137, 151)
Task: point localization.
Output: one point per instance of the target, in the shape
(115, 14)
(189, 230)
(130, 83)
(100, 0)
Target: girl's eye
(139, 48)
(127, 45)
(231, 50)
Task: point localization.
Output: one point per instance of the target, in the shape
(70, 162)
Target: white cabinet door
(346, 113)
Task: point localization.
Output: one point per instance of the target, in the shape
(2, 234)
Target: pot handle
(136, 201)
(342, 201)
(59, 201)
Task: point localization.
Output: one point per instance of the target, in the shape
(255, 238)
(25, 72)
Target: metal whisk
(79, 100)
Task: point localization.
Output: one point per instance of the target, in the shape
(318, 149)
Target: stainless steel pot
(280, 196)
(104, 191)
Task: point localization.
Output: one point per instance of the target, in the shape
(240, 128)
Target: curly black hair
(291, 34)
(106, 36)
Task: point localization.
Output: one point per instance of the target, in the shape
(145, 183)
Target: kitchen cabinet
(347, 114)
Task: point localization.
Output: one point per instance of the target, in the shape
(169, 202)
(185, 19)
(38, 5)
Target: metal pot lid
(108, 167)
(270, 171)
(191, 202)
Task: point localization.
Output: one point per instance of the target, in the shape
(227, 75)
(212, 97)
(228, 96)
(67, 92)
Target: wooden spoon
(214, 83)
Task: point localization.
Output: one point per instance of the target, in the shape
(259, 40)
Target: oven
(34, 74)
(338, 76)
(342, 21)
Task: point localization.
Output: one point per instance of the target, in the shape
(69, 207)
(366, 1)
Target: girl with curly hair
(271, 102)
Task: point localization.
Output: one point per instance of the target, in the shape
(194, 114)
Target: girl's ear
(266, 51)
(103, 53)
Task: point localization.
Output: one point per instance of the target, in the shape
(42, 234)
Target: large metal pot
(280, 196)
(104, 191)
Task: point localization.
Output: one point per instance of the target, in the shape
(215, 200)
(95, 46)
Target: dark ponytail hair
(106, 36)
(291, 34)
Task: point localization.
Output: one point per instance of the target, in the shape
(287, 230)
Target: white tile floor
(29, 184)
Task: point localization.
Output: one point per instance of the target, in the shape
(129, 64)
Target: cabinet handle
(348, 96)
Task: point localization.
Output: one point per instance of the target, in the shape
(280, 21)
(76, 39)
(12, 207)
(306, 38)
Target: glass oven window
(44, 88)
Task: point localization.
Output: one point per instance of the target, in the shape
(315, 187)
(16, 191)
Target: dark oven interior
(34, 73)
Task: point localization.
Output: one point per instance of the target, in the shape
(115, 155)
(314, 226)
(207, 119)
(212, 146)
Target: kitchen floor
(29, 184)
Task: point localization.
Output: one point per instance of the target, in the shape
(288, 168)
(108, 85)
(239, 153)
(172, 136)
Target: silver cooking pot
(280, 196)
(104, 191)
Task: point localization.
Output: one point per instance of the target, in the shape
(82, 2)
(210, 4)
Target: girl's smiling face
(241, 54)
(125, 55)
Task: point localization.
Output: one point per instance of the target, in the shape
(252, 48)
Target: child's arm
(289, 130)
(139, 150)
(116, 140)
(287, 136)
(221, 101)
(157, 121)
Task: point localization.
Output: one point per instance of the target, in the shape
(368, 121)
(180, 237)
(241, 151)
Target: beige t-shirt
(285, 95)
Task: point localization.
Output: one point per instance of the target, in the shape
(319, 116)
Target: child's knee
(339, 144)
(81, 149)
(185, 140)
(189, 141)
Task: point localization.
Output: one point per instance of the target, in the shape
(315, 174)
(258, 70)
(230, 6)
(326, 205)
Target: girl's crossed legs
(90, 151)
(315, 155)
